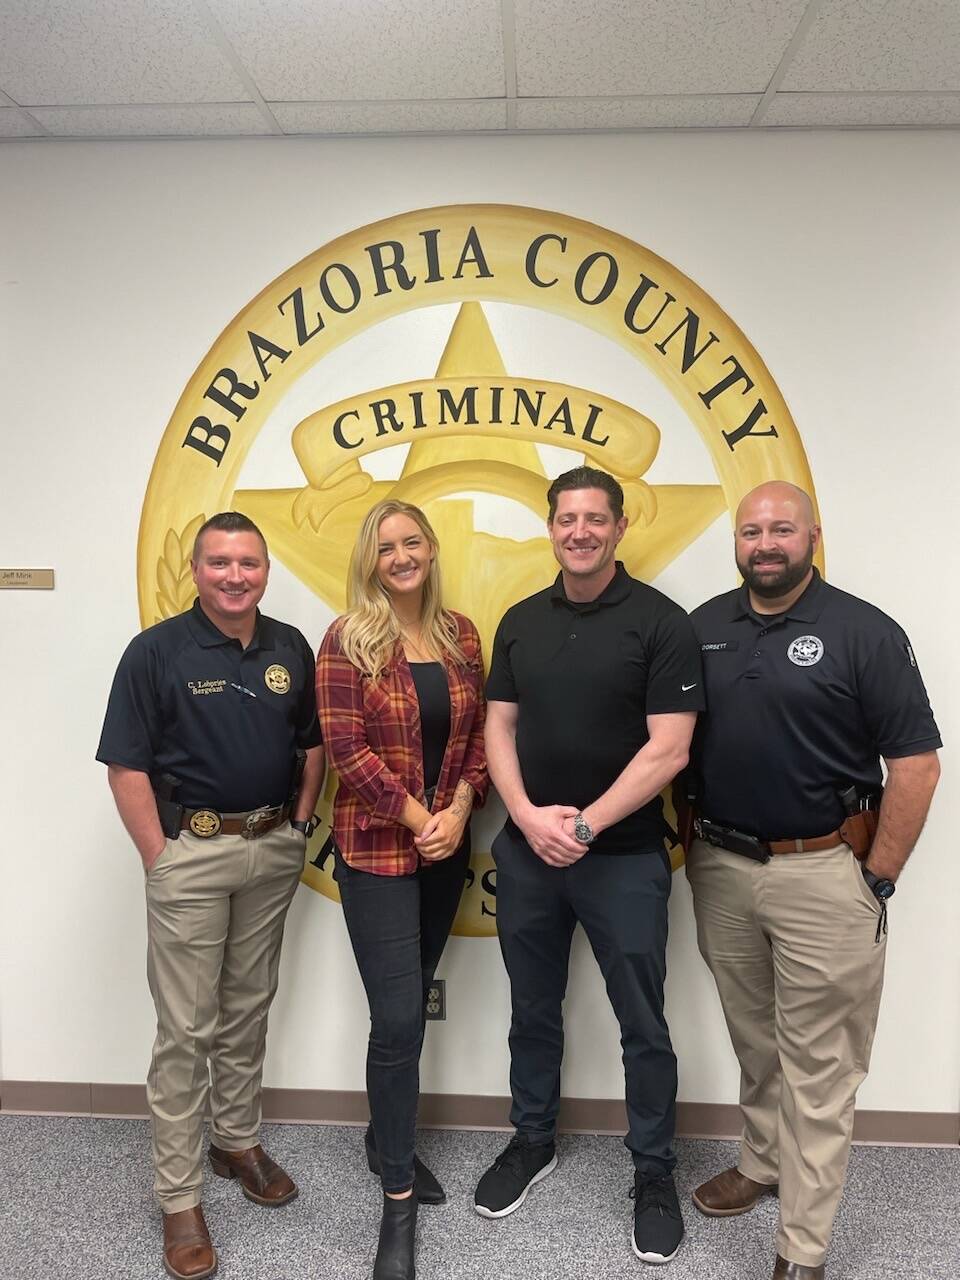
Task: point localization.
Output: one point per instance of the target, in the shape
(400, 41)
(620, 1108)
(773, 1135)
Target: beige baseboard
(459, 1111)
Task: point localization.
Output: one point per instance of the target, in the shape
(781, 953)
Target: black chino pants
(621, 901)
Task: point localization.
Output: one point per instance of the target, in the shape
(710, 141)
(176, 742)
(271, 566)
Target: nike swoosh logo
(684, 688)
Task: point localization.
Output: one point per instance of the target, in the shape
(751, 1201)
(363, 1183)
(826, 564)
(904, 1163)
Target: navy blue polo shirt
(226, 721)
(585, 676)
(800, 706)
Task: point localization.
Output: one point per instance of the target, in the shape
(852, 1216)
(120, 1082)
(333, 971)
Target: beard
(769, 586)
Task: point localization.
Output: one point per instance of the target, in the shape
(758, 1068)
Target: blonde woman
(400, 700)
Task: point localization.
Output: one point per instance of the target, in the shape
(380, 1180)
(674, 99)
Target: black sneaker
(504, 1186)
(657, 1221)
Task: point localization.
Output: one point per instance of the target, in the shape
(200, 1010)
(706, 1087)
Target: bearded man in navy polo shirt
(206, 717)
(807, 688)
(593, 693)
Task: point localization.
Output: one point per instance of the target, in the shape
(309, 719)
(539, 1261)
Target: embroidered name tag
(719, 646)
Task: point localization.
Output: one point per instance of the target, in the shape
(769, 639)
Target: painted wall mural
(472, 429)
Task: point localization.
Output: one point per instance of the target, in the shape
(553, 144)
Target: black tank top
(433, 695)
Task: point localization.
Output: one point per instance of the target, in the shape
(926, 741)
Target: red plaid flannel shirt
(371, 735)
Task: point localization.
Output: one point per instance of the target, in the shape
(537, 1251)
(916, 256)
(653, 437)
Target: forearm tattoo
(462, 801)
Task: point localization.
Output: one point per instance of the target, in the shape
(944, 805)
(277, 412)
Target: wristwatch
(308, 827)
(583, 830)
(880, 888)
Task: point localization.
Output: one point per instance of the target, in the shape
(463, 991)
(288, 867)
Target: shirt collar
(616, 591)
(208, 635)
(807, 609)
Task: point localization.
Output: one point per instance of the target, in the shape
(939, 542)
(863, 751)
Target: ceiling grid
(220, 68)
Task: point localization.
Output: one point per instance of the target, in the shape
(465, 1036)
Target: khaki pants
(792, 946)
(215, 915)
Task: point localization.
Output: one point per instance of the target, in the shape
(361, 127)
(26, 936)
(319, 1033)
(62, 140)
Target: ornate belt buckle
(257, 819)
(205, 823)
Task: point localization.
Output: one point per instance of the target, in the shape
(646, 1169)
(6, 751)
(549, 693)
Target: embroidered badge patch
(805, 651)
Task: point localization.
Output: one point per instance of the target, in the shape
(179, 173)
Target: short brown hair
(227, 522)
(586, 478)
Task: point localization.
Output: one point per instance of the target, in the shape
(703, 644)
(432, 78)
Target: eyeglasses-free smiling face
(775, 540)
(584, 533)
(404, 556)
(230, 572)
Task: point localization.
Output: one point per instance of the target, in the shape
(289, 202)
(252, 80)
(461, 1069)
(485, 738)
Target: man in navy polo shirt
(593, 693)
(206, 717)
(807, 688)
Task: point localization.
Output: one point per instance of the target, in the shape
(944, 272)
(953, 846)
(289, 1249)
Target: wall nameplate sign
(26, 579)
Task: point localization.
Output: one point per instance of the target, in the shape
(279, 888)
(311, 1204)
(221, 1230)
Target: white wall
(121, 263)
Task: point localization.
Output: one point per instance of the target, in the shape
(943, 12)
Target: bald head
(781, 496)
(775, 538)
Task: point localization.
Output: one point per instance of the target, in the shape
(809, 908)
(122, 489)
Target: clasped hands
(440, 835)
(548, 830)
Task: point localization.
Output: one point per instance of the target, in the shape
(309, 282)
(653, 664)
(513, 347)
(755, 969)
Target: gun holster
(859, 830)
(685, 794)
(169, 812)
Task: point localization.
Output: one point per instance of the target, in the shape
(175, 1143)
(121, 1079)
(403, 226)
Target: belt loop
(798, 846)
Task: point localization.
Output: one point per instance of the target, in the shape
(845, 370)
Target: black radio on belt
(169, 811)
(735, 841)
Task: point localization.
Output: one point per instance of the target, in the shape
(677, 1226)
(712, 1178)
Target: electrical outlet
(437, 1001)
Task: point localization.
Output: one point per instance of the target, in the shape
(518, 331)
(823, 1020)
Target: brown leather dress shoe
(730, 1193)
(187, 1251)
(262, 1179)
(785, 1270)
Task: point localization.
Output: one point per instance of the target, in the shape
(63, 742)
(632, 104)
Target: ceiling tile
(215, 118)
(14, 125)
(719, 110)
(602, 47)
(389, 117)
(879, 44)
(61, 52)
(301, 50)
(864, 109)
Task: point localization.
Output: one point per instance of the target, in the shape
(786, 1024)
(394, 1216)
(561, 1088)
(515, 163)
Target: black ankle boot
(398, 1232)
(425, 1186)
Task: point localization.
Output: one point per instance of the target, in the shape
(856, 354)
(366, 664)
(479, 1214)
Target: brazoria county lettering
(509, 408)
(429, 266)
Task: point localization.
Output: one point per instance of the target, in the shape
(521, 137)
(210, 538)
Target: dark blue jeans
(621, 901)
(398, 927)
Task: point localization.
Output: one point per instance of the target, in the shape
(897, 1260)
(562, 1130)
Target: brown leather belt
(813, 845)
(255, 822)
(761, 850)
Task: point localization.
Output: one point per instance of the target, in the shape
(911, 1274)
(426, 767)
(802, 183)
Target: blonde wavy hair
(370, 630)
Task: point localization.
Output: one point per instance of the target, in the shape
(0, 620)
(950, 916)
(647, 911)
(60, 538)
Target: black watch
(308, 827)
(880, 888)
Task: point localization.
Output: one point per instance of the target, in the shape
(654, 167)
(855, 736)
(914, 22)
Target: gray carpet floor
(76, 1204)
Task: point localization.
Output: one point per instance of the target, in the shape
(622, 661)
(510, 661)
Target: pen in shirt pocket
(242, 688)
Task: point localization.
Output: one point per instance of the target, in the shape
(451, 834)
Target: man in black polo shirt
(206, 717)
(593, 693)
(807, 687)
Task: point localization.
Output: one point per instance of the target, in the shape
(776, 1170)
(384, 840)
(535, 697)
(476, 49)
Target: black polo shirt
(585, 677)
(227, 721)
(800, 706)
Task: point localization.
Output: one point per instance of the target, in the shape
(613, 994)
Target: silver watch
(583, 830)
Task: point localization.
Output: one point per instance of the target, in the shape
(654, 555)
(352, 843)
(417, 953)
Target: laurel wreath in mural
(175, 586)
